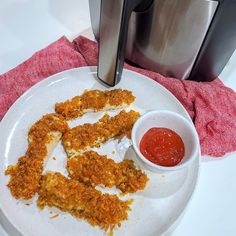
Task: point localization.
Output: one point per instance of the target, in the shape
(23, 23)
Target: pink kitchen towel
(211, 105)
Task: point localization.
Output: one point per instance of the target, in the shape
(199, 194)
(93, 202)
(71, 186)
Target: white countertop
(27, 26)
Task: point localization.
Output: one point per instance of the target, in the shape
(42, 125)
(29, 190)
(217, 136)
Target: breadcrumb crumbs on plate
(54, 216)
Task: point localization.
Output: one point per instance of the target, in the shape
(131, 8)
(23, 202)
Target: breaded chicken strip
(94, 100)
(42, 137)
(80, 138)
(82, 201)
(94, 169)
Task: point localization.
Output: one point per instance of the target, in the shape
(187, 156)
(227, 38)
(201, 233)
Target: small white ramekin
(166, 119)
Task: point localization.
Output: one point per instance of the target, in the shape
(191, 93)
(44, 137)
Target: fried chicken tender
(94, 169)
(94, 100)
(82, 201)
(80, 138)
(42, 137)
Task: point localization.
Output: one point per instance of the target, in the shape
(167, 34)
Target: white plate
(155, 210)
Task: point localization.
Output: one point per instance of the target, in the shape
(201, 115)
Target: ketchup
(162, 146)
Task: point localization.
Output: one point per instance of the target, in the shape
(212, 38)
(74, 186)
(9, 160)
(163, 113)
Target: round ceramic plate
(155, 210)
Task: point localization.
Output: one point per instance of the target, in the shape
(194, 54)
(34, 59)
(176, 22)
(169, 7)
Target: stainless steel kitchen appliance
(185, 39)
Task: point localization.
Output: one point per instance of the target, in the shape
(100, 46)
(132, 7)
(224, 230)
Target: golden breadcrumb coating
(94, 100)
(82, 201)
(83, 137)
(42, 137)
(92, 168)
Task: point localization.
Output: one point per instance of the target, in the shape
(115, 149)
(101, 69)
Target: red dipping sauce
(162, 146)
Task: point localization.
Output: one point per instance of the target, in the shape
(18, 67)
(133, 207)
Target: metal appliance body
(185, 39)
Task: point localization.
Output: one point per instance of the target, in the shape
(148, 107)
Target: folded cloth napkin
(211, 105)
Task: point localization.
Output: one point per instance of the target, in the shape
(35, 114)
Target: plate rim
(92, 70)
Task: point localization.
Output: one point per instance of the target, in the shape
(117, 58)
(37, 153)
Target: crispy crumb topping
(82, 137)
(94, 100)
(77, 195)
(94, 169)
(25, 175)
(82, 201)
